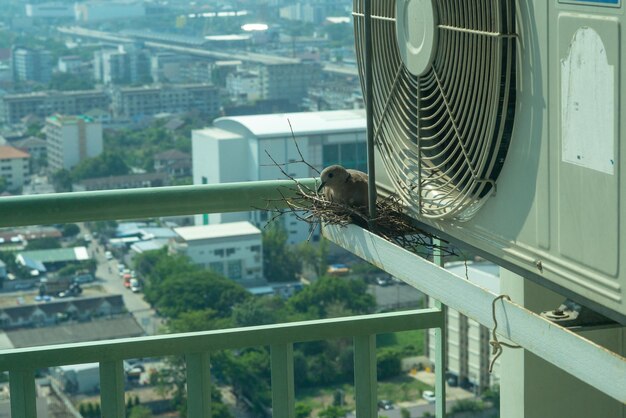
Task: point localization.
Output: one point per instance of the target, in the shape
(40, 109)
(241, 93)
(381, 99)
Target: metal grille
(443, 135)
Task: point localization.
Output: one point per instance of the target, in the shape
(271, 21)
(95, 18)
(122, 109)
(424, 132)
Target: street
(112, 283)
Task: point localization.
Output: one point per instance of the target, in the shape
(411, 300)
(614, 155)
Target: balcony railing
(197, 347)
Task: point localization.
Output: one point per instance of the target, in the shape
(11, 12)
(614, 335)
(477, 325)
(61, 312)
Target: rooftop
(57, 254)
(10, 153)
(303, 123)
(232, 229)
(63, 119)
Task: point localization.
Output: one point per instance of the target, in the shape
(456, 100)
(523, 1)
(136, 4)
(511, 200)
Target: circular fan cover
(443, 97)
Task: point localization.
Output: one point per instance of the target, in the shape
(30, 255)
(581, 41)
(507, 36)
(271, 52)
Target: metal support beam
(112, 401)
(365, 381)
(283, 392)
(369, 108)
(146, 203)
(441, 356)
(23, 394)
(589, 362)
(198, 385)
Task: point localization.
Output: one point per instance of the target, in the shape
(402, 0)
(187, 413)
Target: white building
(51, 10)
(469, 352)
(231, 249)
(71, 139)
(97, 10)
(235, 149)
(14, 166)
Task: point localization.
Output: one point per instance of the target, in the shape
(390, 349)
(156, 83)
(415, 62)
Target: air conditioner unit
(497, 122)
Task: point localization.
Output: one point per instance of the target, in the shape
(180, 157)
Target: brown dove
(345, 186)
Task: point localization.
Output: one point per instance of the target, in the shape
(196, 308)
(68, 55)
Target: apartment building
(31, 65)
(468, 346)
(71, 139)
(128, 64)
(138, 102)
(14, 107)
(14, 166)
(287, 81)
(230, 249)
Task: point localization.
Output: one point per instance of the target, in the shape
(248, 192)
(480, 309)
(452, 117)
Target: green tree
(405, 413)
(140, 411)
(197, 291)
(314, 256)
(67, 82)
(333, 412)
(106, 164)
(259, 311)
(328, 292)
(70, 230)
(492, 395)
(303, 410)
(47, 243)
(280, 261)
(3, 184)
(388, 363)
(62, 181)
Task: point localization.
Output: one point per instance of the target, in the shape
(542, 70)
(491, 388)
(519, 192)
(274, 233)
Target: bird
(345, 186)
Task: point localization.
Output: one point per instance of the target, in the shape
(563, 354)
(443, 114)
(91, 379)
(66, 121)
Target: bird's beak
(319, 189)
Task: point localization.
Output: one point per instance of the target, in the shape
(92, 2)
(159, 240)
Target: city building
(14, 166)
(173, 162)
(128, 64)
(31, 65)
(36, 148)
(243, 85)
(70, 64)
(50, 10)
(53, 259)
(288, 81)
(129, 181)
(469, 352)
(98, 10)
(136, 103)
(71, 139)
(231, 249)
(323, 138)
(14, 107)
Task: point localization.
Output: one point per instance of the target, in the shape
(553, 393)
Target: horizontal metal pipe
(146, 202)
(178, 344)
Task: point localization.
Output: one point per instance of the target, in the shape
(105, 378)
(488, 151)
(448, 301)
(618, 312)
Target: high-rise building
(71, 139)
(236, 149)
(128, 64)
(31, 65)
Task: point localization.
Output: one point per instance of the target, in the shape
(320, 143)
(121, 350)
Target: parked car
(135, 286)
(338, 269)
(429, 395)
(385, 404)
(384, 281)
(83, 278)
(108, 255)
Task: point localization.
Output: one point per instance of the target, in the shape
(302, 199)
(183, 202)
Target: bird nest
(390, 223)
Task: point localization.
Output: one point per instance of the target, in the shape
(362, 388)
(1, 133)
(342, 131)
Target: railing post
(198, 385)
(112, 402)
(23, 393)
(283, 392)
(440, 345)
(365, 381)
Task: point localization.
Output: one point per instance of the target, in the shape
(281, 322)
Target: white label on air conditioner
(588, 104)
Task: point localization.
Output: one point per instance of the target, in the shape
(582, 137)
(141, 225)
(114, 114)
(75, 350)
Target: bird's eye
(330, 175)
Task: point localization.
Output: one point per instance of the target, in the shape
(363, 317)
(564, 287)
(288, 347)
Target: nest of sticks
(390, 223)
